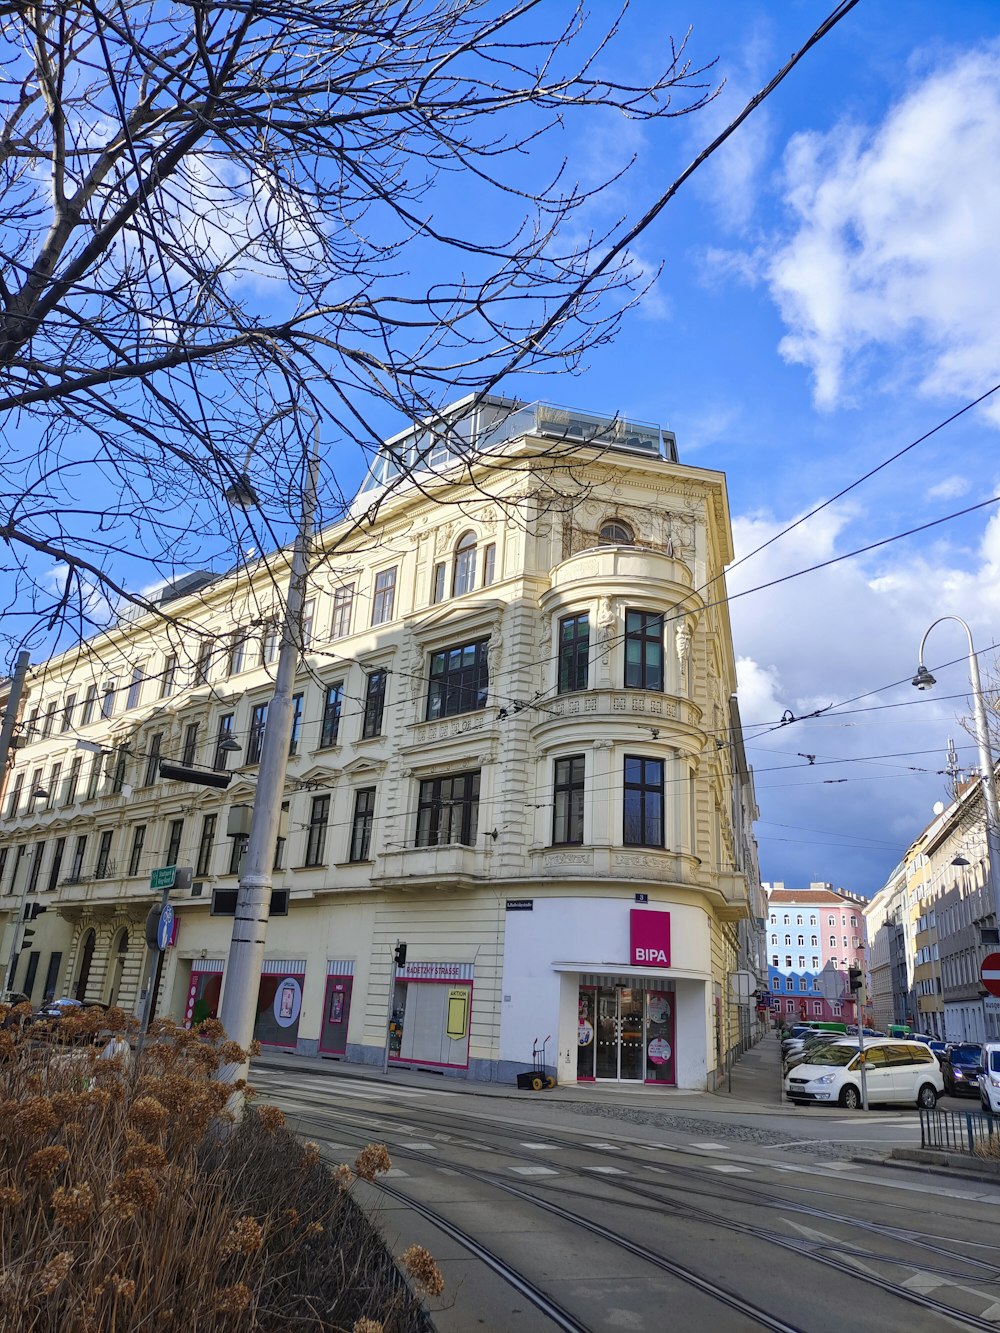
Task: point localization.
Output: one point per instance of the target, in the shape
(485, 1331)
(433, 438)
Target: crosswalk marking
(606, 1170)
(729, 1168)
(534, 1170)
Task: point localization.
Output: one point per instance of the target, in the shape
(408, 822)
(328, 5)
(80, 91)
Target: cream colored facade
(477, 817)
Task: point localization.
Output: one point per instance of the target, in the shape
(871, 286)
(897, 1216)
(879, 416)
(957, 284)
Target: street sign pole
(164, 878)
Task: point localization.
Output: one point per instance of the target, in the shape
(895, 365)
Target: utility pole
(246, 950)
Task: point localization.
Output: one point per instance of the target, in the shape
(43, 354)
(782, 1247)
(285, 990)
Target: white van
(896, 1070)
(989, 1077)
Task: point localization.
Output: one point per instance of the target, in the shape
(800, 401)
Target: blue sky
(828, 293)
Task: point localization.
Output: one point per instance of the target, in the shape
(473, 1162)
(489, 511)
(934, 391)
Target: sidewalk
(755, 1080)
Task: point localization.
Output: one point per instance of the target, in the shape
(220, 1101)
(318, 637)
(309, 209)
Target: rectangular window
(319, 816)
(94, 777)
(54, 777)
(175, 831)
(332, 704)
(459, 680)
(69, 708)
(104, 868)
(168, 677)
(574, 652)
(203, 663)
(643, 802)
(223, 734)
(440, 575)
(72, 779)
(308, 620)
(89, 702)
(343, 603)
(448, 810)
(189, 750)
(57, 859)
(203, 865)
(258, 721)
(135, 855)
(237, 652)
(269, 644)
(567, 814)
(237, 854)
(14, 799)
(293, 740)
(108, 700)
(153, 759)
(643, 650)
(374, 704)
(279, 846)
(384, 600)
(361, 825)
(49, 721)
(118, 769)
(489, 564)
(37, 852)
(135, 687)
(79, 852)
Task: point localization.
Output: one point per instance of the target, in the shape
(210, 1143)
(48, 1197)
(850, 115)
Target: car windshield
(833, 1055)
(965, 1055)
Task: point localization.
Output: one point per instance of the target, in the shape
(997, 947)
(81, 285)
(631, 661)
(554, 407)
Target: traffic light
(26, 937)
(399, 955)
(855, 979)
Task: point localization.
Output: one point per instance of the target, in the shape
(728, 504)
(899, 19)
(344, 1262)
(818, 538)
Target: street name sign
(989, 972)
(163, 878)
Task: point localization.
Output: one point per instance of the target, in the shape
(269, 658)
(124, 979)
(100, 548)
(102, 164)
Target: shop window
(616, 533)
(574, 652)
(361, 825)
(568, 790)
(448, 810)
(319, 816)
(643, 650)
(279, 1004)
(384, 598)
(332, 704)
(374, 704)
(343, 604)
(463, 578)
(643, 802)
(459, 680)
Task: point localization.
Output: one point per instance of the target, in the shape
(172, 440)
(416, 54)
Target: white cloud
(948, 488)
(895, 239)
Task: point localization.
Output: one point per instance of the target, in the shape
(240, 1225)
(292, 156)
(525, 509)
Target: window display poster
(336, 1013)
(203, 998)
(279, 1004)
(585, 1034)
(660, 1064)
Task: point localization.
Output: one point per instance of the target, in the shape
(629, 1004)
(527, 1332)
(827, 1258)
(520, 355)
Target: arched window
(463, 577)
(118, 966)
(86, 960)
(616, 533)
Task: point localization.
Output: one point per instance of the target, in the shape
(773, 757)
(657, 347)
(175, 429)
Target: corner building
(516, 748)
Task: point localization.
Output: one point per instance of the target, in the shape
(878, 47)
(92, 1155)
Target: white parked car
(989, 1078)
(895, 1070)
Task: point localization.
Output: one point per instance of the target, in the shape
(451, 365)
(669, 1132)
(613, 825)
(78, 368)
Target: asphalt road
(543, 1216)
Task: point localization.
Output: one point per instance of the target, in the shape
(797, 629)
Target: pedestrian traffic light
(855, 979)
(399, 955)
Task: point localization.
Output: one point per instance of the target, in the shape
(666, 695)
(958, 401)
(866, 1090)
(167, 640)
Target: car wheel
(986, 1105)
(927, 1097)
(850, 1098)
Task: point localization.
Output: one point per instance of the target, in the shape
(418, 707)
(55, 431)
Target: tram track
(822, 1252)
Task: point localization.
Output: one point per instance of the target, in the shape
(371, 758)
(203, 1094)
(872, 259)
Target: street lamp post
(246, 950)
(923, 680)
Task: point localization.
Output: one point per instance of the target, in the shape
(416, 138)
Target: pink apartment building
(807, 930)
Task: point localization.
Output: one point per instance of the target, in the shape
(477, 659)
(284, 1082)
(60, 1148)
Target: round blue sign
(165, 930)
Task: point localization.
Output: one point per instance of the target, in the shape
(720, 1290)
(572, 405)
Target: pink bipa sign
(649, 937)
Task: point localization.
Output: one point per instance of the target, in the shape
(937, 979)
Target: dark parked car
(960, 1067)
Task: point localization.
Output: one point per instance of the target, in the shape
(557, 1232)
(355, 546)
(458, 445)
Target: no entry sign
(990, 973)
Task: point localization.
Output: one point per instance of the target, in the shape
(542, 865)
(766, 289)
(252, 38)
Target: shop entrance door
(619, 1034)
